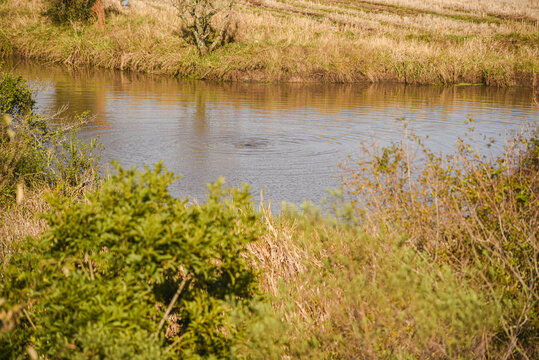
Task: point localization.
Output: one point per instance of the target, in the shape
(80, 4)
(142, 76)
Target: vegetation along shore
(434, 257)
(493, 42)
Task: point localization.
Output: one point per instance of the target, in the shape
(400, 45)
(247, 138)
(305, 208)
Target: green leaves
(15, 97)
(115, 261)
(32, 154)
(66, 11)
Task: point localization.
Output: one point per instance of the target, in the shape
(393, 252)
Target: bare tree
(207, 23)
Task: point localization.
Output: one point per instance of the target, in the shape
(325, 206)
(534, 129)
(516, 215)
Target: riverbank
(493, 43)
(395, 273)
(427, 259)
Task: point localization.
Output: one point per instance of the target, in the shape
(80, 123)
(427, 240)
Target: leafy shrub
(135, 273)
(32, 153)
(5, 47)
(15, 97)
(66, 11)
(469, 212)
(22, 159)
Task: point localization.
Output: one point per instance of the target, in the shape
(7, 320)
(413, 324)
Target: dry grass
(437, 260)
(18, 221)
(346, 294)
(479, 41)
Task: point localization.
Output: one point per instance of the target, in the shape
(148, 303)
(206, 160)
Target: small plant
(134, 273)
(33, 154)
(67, 11)
(206, 23)
(15, 97)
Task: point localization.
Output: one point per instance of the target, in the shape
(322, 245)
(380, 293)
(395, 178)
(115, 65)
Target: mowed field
(494, 42)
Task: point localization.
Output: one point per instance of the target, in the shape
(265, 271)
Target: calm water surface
(288, 139)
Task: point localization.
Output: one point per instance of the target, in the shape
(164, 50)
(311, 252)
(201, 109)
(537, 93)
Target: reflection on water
(288, 138)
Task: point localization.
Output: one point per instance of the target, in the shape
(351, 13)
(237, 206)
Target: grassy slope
(435, 41)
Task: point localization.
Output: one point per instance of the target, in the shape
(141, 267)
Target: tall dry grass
(493, 42)
(434, 258)
(344, 293)
(18, 221)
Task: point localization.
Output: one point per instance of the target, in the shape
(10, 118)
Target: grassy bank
(387, 283)
(434, 42)
(425, 257)
(433, 258)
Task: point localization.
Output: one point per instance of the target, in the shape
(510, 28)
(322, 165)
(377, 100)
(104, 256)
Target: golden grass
(431, 267)
(18, 221)
(437, 41)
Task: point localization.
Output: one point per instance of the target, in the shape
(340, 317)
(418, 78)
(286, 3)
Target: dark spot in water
(251, 143)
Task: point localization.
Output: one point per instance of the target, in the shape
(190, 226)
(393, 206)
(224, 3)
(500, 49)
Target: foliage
(67, 11)
(32, 153)
(200, 24)
(348, 294)
(468, 212)
(114, 269)
(15, 97)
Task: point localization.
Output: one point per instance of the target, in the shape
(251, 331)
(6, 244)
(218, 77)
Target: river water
(286, 138)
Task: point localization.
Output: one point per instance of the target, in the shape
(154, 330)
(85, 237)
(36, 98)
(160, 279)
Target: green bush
(99, 282)
(66, 11)
(15, 97)
(22, 157)
(469, 212)
(32, 153)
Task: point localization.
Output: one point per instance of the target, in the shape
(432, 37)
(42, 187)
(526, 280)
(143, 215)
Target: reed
(433, 258)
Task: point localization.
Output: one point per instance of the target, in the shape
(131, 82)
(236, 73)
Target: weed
(35, 156)
(67, 11)
(15, 97)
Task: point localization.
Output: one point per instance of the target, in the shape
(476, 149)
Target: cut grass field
(426, 42)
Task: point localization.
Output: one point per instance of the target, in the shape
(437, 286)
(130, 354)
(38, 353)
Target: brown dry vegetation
(433, 259)
(18, 221)
(435, 41)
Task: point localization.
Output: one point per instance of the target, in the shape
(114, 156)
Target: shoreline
(527, 80)
(145, 40)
